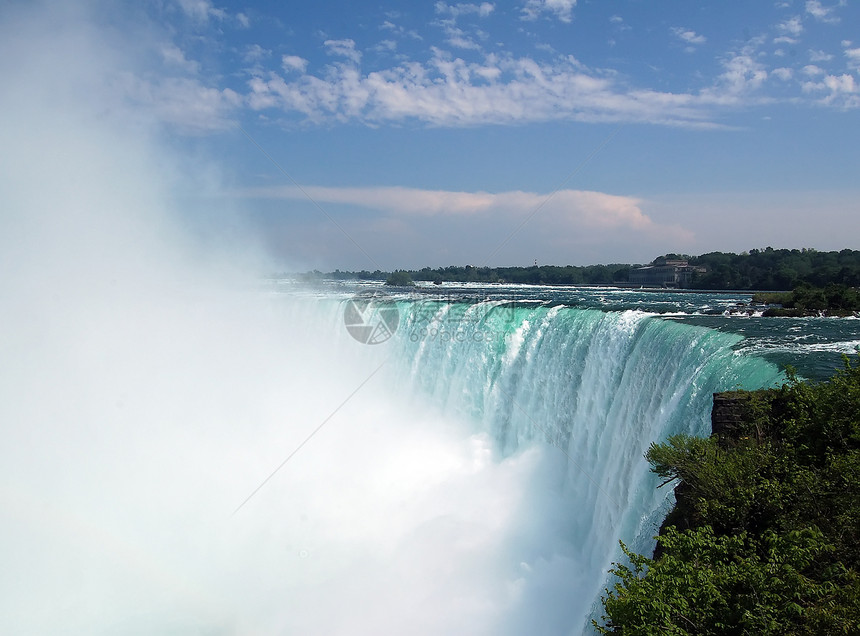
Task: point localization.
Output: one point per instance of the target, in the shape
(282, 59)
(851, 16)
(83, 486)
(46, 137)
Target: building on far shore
(665, 273)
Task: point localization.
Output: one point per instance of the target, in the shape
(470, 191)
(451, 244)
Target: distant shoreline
(426, 284)
(764, 269)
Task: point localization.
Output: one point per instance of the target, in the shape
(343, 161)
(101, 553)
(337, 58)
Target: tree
(731, 584)
(400, 278)
(765, 534)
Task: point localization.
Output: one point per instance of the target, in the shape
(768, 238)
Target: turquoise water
(814, 346)
(212, 461)
(599, 385)
(589, 378)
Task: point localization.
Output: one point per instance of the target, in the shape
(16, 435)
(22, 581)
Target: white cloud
(460, 40)
(344, 48)
(688, 36)
(792, 26)
(455, 36)
(387, 25)
(784, 39)
(386, 46)
(482, 10)
(561, 8)
(820, 12)
(149, 81)
(819, 56)
(841, 84)
(445, 90)
(438, 226)
(742, 75)
(575, 207)
(182, 102)
(448, 91)
(255, 53)
(294, 63)
(201, 10)
(782, 73)
(842, 90)
(174, 56)
(853, 56)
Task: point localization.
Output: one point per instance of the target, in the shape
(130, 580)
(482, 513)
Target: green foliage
(805, 299)
(732, 584)
(842, 297)
(544, 275)
(770, 269)
(760, 269)
(400, 278)
(772, 298)
(768, 523)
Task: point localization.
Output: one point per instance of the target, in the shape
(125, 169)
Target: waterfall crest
(599, 387)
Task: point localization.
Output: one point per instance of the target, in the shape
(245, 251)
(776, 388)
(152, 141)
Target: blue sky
(500, 133)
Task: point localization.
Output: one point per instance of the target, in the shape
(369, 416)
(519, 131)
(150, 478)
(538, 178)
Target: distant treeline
(760, 269)
(770, 269)
(804, 300)
(542, 275)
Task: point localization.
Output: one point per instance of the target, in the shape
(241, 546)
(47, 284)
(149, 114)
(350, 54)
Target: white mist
(142, 398)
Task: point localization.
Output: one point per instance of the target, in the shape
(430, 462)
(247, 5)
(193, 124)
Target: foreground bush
(765, 536)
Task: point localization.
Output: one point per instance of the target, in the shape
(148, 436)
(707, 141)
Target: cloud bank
(423, 227)
(463, 76)
(588, 209)
(449, 91)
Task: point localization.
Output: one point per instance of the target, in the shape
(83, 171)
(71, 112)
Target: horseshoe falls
(588, 391)
(189, 459)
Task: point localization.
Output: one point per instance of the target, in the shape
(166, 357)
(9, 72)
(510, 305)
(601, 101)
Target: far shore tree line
(804, 300)
(766, 269)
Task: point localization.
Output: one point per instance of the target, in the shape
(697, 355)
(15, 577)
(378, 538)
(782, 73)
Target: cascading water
(477, 482)
(598, 386)
(470, 477)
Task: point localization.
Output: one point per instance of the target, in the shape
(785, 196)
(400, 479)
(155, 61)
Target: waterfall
(470, 475)
(597, 387)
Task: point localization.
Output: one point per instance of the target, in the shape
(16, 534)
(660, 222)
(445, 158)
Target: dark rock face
(678, 516)
(729, 413)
